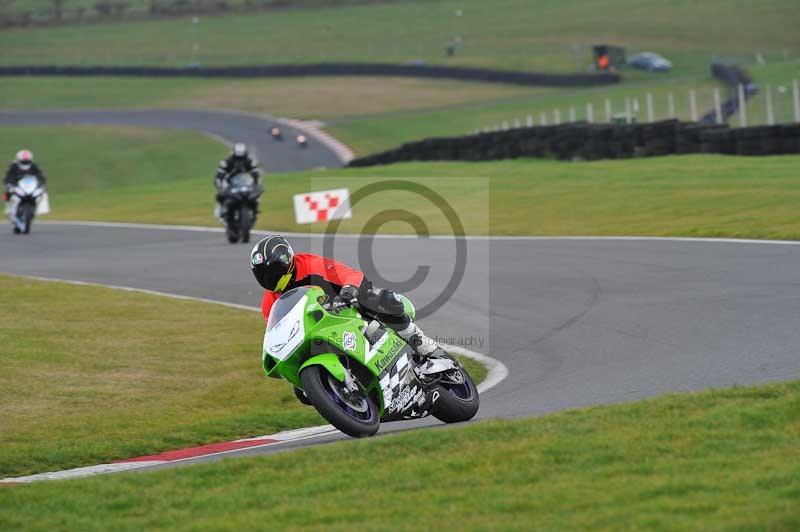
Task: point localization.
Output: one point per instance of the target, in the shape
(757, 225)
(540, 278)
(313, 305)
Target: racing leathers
(15, 172)
(339, 280)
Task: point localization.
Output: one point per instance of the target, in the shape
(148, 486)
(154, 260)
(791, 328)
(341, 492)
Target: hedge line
(584, 141)
(324, 69)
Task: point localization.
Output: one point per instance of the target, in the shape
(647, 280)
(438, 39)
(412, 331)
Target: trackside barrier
(325, 69)
(585, 141)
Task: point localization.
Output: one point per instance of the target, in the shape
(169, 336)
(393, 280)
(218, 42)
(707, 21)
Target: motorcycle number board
(322, 206)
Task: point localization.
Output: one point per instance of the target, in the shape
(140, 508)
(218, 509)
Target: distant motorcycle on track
(27, 199)
(240, 207)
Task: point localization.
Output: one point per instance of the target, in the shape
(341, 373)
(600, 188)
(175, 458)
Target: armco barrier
(583, 141)
(325, 69)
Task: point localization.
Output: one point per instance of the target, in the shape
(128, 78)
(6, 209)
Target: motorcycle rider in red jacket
(278, 268)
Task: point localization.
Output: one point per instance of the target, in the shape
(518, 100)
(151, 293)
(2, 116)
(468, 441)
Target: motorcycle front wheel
(245, 224)
(353, 413)
(27, 217)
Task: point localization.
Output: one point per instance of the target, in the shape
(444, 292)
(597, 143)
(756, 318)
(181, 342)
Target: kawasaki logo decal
(384, 362)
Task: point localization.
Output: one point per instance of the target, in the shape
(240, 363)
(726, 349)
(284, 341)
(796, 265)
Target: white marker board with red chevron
(322, 206)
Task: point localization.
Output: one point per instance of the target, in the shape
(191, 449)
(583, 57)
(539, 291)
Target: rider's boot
(423, 345)
(218, 213)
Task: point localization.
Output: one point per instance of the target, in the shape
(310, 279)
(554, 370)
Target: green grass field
(536, 35)
(716, 460)
(93, 375)
(305, 98)
(160, 176)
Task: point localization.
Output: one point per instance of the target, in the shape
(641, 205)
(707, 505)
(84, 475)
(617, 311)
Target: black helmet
(272, 262)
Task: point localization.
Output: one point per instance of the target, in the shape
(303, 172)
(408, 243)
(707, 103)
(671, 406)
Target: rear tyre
(354, 414)
(245, 223)
(458, 398)
(27, 217)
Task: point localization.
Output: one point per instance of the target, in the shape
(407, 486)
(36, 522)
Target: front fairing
(306, 329)
(28, 188)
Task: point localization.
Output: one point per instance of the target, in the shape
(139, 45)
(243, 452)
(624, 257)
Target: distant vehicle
(650, 62)
(302, 141)
(276, 133)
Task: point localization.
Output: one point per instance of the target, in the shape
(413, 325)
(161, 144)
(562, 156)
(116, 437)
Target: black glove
(348, 294)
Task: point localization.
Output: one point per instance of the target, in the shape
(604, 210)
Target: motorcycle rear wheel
(356, 417)
(457, 401)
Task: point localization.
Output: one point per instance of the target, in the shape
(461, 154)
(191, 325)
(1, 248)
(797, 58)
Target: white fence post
(670, 106)
(628, 111)
(505, 126)
(770, 114)
(796, 100)
(543, 119)
(572, 113)
(529, 121)
(517, 124)
(693, 105)
(590, 111)
(650, 114)
(556, 116)
(742, 106)
(608, 110)
(717, 106)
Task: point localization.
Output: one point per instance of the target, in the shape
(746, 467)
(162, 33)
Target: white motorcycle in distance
(27, 199)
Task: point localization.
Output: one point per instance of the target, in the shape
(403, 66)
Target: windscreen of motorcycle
(242, 180)
(28, 184)
(285, 327)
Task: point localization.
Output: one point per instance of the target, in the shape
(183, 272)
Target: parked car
(650, 62)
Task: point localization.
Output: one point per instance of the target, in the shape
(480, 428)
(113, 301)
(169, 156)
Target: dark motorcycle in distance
(24, 201)
(240, 207)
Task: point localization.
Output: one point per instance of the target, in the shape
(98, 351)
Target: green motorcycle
(356, 371)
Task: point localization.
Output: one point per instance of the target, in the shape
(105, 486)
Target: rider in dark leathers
(21, 166)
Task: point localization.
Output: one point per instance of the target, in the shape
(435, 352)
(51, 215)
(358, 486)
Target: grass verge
(157, 176)
(534, 35)
(722, 459)
(306, 98)
(95, 375)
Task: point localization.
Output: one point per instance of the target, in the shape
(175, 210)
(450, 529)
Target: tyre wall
(583, 141)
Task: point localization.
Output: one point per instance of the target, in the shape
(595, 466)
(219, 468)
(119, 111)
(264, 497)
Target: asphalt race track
(275, 156)
(576, 321)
